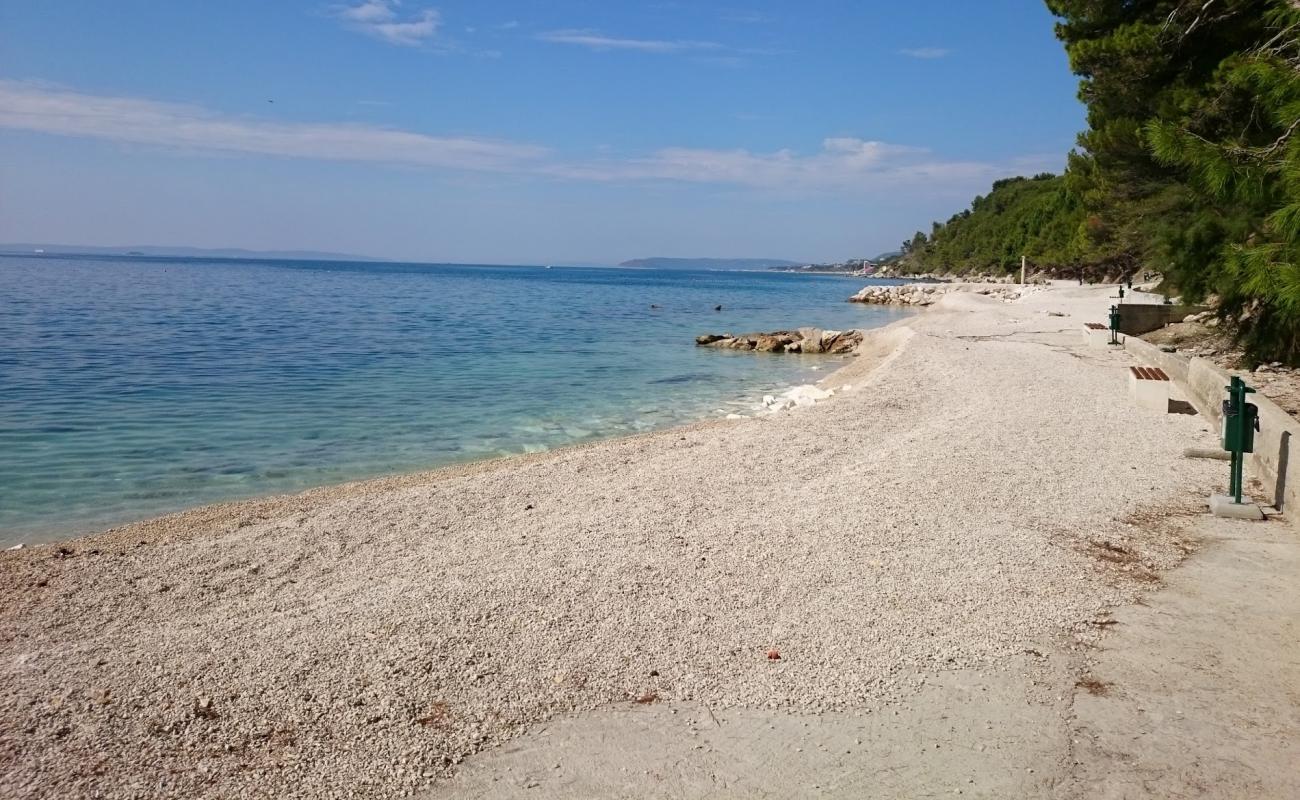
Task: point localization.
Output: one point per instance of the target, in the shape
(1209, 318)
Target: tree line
(1189, 166)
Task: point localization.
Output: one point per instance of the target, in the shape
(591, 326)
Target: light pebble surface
(360, 641)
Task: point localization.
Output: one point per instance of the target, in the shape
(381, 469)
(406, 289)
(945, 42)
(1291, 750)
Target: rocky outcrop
(803, 340)
(924, 294)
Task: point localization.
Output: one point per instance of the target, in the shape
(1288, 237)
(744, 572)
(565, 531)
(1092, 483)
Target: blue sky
(520, 132)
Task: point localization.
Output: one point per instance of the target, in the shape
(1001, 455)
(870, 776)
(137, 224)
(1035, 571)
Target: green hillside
(1190, 164)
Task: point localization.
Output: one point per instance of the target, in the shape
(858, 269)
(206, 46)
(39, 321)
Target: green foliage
(1237, 146)
(1035, 216)
(1190, 164)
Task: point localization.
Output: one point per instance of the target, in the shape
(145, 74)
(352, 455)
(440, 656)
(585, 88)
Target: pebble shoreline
(362, 641)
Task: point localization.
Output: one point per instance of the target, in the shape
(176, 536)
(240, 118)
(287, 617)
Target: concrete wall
(1136, 319)
(1204, 384)
(1148, 355)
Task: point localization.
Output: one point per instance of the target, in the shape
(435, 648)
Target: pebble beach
(976, 486)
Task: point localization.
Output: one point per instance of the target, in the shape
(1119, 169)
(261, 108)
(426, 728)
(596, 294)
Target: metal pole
(1234, 482)
(1235, 433)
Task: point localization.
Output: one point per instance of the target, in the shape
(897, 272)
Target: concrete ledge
(1174, 365)
(1096, 338)
(1203, 382)
(1271, 461)
(1221, 505)
(1149, 393)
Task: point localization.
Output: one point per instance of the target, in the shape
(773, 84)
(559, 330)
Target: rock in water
(804, 340)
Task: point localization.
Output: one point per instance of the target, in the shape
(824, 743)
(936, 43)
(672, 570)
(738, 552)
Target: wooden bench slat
(1094, 326)
(1149, 374)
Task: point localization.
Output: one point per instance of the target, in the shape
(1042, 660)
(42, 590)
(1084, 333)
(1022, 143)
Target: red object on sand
(773, 655)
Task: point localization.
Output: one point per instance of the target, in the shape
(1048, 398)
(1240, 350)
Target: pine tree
(1240, 151)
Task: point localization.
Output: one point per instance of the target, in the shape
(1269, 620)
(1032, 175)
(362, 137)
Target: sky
(565, 131)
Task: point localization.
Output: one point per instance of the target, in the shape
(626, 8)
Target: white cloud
(369, 12)
(841, 164)
(597, 41)
(34, 107)
(380, 19)
(925, 52)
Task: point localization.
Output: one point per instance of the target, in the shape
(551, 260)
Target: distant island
(708, 263)
(177, 252)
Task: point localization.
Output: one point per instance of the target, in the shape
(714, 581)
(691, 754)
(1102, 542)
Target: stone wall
(1136, 319)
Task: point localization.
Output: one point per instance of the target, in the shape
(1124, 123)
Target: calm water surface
(131, 387)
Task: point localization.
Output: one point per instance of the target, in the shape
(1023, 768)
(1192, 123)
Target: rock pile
(1209, 319)
(804, 340)
(924, 294)
(798, 397)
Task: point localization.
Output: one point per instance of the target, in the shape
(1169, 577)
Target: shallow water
(131, 387)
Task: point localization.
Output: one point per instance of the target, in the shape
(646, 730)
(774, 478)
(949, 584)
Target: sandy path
(945, 515)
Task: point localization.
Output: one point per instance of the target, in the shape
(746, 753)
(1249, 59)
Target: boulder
(772, 343)
(810, 340)
(842, 343)
(804, 340)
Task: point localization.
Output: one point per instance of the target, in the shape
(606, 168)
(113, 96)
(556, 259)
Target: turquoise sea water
(135, 386)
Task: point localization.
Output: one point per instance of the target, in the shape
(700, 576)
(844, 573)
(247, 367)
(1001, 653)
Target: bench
(1096, 334)
(1149, 388)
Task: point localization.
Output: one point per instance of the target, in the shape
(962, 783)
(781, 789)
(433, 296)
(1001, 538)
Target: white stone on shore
(808, 392)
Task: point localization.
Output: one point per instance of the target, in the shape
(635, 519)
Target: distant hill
(708, 263)
(179, 252)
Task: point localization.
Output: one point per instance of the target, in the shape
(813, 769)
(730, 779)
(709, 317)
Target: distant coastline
(708, 263)
(160, 251)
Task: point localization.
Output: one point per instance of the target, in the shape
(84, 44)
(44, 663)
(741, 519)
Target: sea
(136, 386)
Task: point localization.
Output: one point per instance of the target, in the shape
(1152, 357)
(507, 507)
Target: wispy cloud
(36, 107)
(382, 20)
(598, 41)
(925, 52)
(841, 163)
